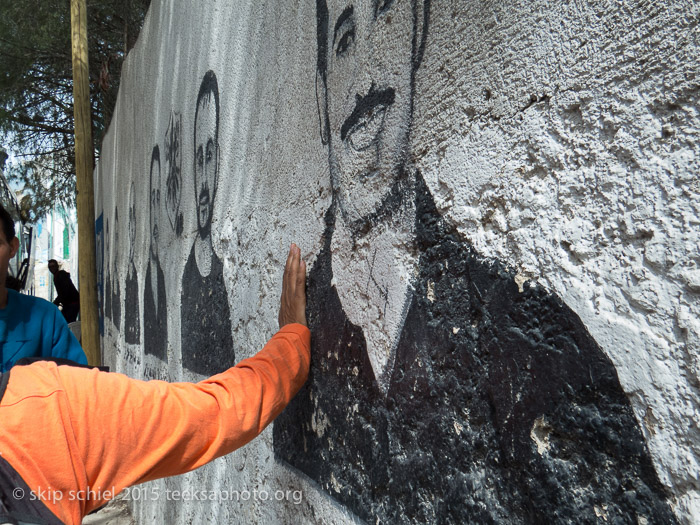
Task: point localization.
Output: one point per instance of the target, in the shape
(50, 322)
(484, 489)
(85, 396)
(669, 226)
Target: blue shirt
(33, 327)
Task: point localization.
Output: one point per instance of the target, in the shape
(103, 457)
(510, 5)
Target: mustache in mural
(367, 119)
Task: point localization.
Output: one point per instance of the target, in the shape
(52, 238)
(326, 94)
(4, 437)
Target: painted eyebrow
(347, 13)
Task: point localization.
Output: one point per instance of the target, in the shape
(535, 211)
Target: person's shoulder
(36, 304)
(25, 299)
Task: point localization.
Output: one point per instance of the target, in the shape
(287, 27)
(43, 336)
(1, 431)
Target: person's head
(154, 200)
(132, 222)
(368, 53)
(53, 266)
(9, 243)
(206, 151)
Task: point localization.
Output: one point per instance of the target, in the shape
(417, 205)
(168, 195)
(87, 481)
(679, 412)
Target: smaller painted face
(132, 223)
(107, 243)
(206, 163)
(115, 247)
(154, 205)
(369, 100)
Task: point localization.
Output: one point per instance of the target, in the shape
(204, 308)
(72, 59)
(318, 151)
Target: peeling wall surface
(499, 206)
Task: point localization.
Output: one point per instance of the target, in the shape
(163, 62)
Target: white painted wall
(561, 139)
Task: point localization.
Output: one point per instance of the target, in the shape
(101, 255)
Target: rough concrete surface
(116, 512)
(458, 176)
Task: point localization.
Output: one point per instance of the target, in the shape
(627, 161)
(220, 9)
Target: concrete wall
(499, 206)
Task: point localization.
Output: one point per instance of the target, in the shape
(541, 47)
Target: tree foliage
(36, 87)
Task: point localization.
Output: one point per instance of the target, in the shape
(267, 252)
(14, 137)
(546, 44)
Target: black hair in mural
(114, 275)
(491, 404)
(207, 89)
(155, 315)
(132, 319)
(173, 160)
(207, 344)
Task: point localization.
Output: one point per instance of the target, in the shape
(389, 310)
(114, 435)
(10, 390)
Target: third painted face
(154, 205)
(369, 100)
(132, 223)
(205, 161)
(116, 240)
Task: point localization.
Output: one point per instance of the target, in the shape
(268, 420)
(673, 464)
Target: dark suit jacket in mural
(155, 321)
(132, 320)
(207, 344)
(107, 298)
(482, 374)
(113, 307)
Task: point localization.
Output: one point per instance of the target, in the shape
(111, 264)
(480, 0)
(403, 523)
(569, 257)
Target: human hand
(293, 300)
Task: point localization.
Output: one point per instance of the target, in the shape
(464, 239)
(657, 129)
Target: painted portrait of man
(155, 313)
(207, 345)
(132, 319)
(100, 259)
(440, 391)
(173, 182)
(115, 296)
(106, 274)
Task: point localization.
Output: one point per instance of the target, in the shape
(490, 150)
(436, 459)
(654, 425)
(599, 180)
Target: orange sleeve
(121, 431)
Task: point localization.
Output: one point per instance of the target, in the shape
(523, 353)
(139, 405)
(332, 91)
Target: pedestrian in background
(67, 296)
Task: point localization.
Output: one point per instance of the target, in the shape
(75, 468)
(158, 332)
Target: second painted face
(132, 222)
(368, 99)
(206, 158)
(116, 240)
(154, 204)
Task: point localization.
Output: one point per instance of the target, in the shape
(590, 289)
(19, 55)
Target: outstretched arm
(183, 426)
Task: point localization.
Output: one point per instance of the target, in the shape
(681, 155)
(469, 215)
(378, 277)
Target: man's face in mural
(154, 203)
(132, 223)
(116, 238)
(206, 160)
(367, 98)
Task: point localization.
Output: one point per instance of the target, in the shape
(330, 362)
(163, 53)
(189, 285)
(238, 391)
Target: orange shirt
(71, 429)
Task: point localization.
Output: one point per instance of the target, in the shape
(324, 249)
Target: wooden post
(87, 267)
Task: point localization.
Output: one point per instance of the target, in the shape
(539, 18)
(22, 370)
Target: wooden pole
(87, 267)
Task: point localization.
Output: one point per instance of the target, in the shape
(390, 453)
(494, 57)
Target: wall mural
(107, 295)
(132, 319)
(116, 295)
(99, 249)
(112, 297)
(205, 320)
(155, 318)
(439, 390)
